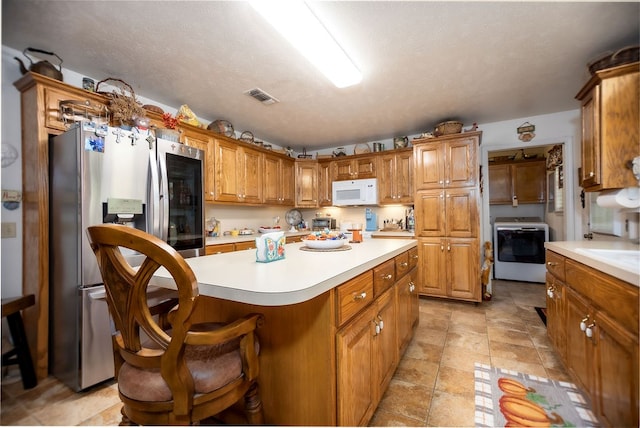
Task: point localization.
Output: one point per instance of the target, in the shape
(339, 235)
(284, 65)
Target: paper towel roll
(619, 198)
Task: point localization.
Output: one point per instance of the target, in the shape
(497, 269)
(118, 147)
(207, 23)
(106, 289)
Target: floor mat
(542, 312)
(510, 398)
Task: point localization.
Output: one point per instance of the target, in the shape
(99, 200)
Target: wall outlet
(8, 230)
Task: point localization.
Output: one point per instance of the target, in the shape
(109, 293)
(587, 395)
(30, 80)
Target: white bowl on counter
(324, 244)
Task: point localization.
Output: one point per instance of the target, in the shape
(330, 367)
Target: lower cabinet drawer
(218, 249)
(383, 277)
(354, 296)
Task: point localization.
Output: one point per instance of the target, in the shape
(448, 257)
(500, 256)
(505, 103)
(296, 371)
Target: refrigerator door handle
(154, 197)
(98, 295)
(163, 203)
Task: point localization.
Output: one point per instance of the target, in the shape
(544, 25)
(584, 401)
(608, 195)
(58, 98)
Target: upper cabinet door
(610, 106)
(461, 162)
(429, 166)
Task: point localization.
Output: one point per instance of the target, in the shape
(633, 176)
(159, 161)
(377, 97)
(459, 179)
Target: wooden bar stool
(20, 353)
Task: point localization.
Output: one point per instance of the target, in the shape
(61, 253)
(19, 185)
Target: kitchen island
(336, 323)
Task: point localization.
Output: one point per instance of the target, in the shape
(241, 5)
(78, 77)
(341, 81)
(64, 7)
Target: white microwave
(355, 192)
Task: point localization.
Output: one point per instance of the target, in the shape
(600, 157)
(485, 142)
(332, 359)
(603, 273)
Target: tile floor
(433, 385)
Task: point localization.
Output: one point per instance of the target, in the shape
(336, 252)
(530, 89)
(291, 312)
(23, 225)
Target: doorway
(557, 219)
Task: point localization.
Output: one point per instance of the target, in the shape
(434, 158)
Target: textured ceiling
(423, 62)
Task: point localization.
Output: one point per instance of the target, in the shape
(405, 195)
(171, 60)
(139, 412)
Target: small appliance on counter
(371, 220)
(321, 223)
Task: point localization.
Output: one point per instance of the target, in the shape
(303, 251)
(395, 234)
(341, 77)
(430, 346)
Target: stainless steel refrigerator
(100, 174)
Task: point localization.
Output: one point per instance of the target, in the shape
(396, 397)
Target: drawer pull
(381, 323)
(589, 330)
(583, 323)
(552, 264)
(415, 257)
(360, 296)
(404, 264)
(387, 276)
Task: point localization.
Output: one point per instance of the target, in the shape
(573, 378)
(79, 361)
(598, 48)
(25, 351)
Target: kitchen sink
(626, 259)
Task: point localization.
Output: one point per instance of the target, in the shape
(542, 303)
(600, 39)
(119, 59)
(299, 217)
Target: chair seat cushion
(211, 366)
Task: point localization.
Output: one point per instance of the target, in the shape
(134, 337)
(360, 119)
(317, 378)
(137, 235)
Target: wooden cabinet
(279, 180)
(395, 173)
(204, 141)
(449, 161)
(451, 212)
(448, 216)
(306, 183)
(354, 167)
(407, 298)
(610, 127)
(367, 355)
(239, 171)
(356, 370)
(594, 325)
(449, 267)
(556, 313)
(219, 249)
(325, 178)
(526, 181)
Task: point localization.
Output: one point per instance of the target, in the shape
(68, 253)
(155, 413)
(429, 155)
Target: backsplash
(232, 217)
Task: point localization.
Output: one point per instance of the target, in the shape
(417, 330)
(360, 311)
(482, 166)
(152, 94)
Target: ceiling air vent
(262, 96)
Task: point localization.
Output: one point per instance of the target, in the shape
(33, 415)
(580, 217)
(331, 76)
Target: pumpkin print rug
(506, 398)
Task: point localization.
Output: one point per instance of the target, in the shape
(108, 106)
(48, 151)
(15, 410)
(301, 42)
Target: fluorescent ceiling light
(297, 23)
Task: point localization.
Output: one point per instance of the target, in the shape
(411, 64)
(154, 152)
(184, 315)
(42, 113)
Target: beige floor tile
(535, 369)
(383, 418)
(449, 410)
(417, 371)
(478, 343)
(463, 358)
(407, 399)
(455, 381)
(524, 354)
(424, 351)
(514, 337)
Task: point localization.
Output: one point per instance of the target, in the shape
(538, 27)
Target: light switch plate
(8, 230)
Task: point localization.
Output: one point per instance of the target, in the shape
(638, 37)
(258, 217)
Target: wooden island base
(297, 357)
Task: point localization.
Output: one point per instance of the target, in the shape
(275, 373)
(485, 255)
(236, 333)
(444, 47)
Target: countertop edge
(570, 249)
(274, 297)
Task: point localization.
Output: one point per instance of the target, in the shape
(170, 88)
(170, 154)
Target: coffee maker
(371, 220)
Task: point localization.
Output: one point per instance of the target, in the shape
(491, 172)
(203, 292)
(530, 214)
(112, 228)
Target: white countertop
(301, 276)
(612, 264)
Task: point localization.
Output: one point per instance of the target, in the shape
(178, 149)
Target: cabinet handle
(552, 264)
(591, 174)
(550, 291)
(381, 323)
(415, 257)
(404, 264)
(387, 276)
(583, 323)
(589, 330)
(360, 296)
(448, 246)
(441, 247)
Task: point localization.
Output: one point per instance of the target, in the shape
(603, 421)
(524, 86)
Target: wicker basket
(623, 56)
(446, 128)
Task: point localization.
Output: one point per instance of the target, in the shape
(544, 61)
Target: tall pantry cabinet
(447, 210)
